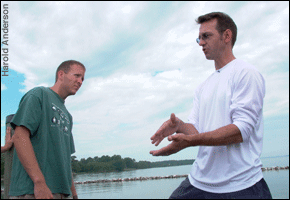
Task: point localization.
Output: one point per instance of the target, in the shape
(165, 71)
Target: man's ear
(228, 36)
(60, 75)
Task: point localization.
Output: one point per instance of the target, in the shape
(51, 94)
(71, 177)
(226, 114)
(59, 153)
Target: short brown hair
(65, 66)
(224, 22)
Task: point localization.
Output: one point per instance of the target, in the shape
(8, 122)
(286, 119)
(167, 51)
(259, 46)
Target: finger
(173, 118)
(157, 137)
(157, 141)
(154, 138)
(159, 152)
(174, 137)
(165, 151)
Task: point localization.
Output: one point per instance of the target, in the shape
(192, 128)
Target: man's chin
(72, 93)
(208, 57)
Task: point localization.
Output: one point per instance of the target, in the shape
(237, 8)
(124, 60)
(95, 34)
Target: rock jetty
(141, 178)
(274, 168)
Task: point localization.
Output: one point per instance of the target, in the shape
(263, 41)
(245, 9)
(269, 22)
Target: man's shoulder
(242, 65)
(243, 68)
(38, 89)
(244, 71)
(34, 93)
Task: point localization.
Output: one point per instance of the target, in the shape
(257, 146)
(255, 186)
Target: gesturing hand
(41, 191)
(168, 128)
(179, 142)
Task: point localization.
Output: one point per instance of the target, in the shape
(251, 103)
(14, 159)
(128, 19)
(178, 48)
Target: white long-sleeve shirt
(232, 95)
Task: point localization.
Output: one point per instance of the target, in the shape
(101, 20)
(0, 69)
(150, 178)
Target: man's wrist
(38, 180)
(179, 125)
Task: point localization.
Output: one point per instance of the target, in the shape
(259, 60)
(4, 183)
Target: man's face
(210, 40)
(73, 79)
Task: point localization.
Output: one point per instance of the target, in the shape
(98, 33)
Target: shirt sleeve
(28, 113)
(247, 100)
(193, 117)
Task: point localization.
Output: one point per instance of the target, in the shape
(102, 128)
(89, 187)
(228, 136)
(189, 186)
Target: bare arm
(187, 136)
(27, 158)
(73, 189)
(225, 135)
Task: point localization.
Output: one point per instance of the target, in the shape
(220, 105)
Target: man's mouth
(77, 87)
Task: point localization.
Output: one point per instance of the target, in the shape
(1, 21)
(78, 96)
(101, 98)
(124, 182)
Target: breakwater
(159, 177)
(274, 168)
(141, 178)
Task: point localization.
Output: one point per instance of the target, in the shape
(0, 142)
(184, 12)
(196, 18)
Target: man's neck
(56, 89)
(224, 60)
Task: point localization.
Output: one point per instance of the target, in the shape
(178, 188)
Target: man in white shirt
(226, 122)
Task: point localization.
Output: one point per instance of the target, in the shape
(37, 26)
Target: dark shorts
(186, 191)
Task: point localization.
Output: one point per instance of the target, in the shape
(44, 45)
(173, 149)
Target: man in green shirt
(43, 138)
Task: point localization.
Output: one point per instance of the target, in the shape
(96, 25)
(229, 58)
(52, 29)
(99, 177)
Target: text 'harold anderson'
(4, 45)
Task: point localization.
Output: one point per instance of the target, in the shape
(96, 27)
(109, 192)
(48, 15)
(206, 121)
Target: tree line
(113, 163)
(117, 163)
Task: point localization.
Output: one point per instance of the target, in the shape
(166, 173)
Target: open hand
(179, 141)
(168, 128)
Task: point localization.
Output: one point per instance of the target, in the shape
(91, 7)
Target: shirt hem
(226, 188)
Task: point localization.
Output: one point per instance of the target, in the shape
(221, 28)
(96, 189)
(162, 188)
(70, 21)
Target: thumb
(173, 119)
(173, 137)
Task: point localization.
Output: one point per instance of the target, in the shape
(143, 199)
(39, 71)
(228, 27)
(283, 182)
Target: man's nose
(201, 42)
(80, 81)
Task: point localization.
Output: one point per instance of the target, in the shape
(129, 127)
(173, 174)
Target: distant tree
(105, 159)
(143, 164)
(130, 163)
(119, 165)
(96, 158)
(89, 159)
(116, 157)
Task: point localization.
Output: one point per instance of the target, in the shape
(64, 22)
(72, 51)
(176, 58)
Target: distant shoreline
(275, 156)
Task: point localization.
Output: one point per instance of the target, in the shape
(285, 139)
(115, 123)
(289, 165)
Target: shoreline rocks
(141, 178)
(274, 168)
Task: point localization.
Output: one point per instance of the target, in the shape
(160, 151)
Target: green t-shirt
(43, 112)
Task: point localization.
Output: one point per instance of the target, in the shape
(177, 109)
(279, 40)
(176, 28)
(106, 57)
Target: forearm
(73, 190)
(225, 135)
(26, 154)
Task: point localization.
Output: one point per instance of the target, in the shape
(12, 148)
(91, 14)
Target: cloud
(3, 86)
(142, 61)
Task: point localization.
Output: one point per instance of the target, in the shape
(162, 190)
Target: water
(278, 182)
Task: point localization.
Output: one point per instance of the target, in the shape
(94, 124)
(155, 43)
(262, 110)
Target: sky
(142, 64)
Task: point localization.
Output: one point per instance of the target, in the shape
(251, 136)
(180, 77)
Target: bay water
(278, 182)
